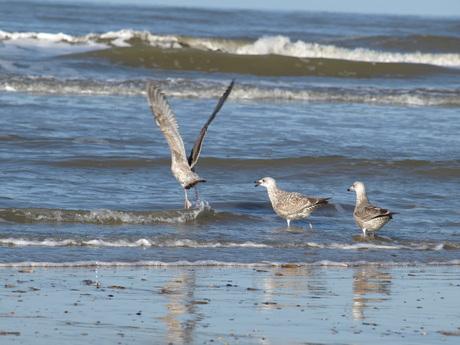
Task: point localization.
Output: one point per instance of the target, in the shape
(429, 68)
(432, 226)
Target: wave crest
(269, 45)
(166, 242)
(211, 89)
(213, 263)
(281, 45)
(102, 216)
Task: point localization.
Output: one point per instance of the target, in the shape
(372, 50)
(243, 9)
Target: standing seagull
(181, 166)
(369, 218)
(289, 205)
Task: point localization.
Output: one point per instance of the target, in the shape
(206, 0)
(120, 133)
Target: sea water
(320, 100)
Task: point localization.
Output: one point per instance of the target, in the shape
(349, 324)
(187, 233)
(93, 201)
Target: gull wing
(370, 212)
(292, 202)
(195, 153)
(167, 122)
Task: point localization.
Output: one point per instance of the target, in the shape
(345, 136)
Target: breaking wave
(165, 242)
(214, 263)
(276, 45)
(265, 56)
(202, 89)
(281, 45)
(269, 64)
(102, 217)
(126, 243)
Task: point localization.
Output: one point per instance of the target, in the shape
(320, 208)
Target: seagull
(290, 205)
(368, 217)
(182, 166)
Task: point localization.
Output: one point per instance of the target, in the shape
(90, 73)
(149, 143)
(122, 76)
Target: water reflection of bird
(182, 166)
(371, 286)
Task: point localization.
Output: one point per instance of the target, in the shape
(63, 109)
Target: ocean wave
(281, 45)
(164, 242)
(202, 89)
(403, 43)
(103, 217)
(265, 64)
(271, 45)
(333, 163)
(125, 243)
(447, 169)
(83, 87)
(213, 263)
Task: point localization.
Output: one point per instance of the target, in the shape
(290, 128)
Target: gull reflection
(182, 309)
(291, 286)
(371, 285)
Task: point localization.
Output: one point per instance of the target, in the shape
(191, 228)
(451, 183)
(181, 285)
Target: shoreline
(228, 305)
(217, 264)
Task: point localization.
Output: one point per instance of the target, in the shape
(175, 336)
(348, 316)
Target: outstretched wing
(167, 122)
(193, 158)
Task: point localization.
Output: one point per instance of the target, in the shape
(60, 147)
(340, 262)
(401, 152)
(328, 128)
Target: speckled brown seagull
(290, 205)
(368, 217)
(181, 166)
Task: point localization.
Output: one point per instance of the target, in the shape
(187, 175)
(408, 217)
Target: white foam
(213, 263)
(410, 97)
(9, 88)
(361, 246)
(191, 243)
(104, 216)
(119, 38)
(49, 44)
(278, 45)
(19, 242)
(33, 35)
(281, 45)
(141, 242)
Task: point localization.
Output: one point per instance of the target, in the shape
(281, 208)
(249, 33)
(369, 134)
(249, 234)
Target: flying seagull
(290, 205)
(368, 217)
(182, 166)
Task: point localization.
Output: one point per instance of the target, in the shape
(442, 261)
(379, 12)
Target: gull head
(357, 186)
(267, 182)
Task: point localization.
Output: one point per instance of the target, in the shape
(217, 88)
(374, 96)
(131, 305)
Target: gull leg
(364, 232)
(196, 194)
(289, 222)
(311, 225)
(187, 202)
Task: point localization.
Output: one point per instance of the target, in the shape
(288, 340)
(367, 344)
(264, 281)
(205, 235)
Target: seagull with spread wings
(182, 166)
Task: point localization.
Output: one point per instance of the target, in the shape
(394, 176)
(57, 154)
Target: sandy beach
(231, 305)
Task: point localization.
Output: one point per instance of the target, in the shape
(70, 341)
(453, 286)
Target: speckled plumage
(368, 217)
(181, 165)
(290, 205)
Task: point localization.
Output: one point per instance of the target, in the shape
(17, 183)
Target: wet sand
(230, 305)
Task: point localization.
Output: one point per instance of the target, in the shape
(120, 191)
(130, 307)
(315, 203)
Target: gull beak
(350, 189)
(257, 182)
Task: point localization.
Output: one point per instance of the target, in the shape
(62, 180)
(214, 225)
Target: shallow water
(317, 105)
